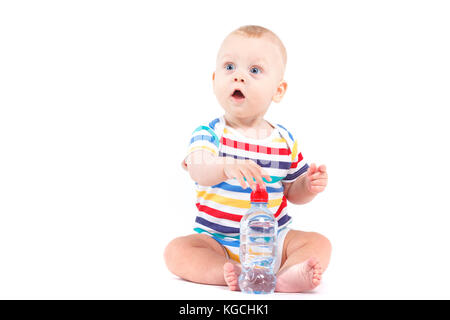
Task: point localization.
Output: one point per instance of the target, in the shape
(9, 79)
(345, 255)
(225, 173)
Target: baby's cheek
(264, 97)
(221, 92)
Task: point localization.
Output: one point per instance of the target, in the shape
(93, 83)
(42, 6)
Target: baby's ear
(281, 90)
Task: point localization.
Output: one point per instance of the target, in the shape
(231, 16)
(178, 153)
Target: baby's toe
(228, 268)
(315, 282)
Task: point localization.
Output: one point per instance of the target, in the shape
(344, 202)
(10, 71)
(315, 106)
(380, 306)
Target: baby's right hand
(238, 169)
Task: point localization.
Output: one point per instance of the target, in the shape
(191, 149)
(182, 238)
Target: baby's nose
(239, 79)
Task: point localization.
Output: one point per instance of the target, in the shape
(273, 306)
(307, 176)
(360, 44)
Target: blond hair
(253, 31)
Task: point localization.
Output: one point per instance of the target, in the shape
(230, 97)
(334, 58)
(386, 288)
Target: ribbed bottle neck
(259, 204)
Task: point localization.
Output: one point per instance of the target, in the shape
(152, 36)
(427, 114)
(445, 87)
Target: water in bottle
(258, 232)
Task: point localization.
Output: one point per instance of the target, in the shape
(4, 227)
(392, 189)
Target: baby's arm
(307, 186)
(207, 169)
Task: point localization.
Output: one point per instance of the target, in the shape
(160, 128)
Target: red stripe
(300, 158)
(254, 147)
(234, 217)
(218, 213)
(281, 207)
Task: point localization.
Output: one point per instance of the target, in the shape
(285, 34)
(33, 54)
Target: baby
(229, 156)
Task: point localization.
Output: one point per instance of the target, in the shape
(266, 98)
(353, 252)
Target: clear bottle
(258, 241)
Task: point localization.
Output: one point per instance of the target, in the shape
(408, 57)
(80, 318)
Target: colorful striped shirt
(221, 207)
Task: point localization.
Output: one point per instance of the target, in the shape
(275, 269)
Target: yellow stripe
(256, 253)
(231, 255)
(278, 140)
(294, 151)
(202, 147)
(245, 204)
(225, 130)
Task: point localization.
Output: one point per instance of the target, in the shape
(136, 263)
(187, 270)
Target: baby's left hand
(316, 178)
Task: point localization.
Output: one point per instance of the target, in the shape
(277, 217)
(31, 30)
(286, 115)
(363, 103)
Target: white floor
(172, 287)
(391, 273)
(180, 289)
(331, 287)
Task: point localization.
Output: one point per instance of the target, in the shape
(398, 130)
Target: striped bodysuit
(221, 207)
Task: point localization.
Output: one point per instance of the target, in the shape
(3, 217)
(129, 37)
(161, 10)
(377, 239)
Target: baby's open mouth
(237, 94)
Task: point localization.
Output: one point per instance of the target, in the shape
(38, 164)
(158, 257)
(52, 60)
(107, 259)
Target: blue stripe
(203, 137)
(290, 135)
(213, 123)
(297, 173)
(219, 238)
(261, 163)
(230, 187)
(210, 131)
(227, 243)
(284, 220)
(217, 235)
(223, 229)
(215, 226)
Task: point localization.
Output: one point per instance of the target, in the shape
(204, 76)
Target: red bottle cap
(259, 195)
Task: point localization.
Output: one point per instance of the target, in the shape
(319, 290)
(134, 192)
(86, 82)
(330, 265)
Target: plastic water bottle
(258, 243)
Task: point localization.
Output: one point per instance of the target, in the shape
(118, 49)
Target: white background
(98, 100)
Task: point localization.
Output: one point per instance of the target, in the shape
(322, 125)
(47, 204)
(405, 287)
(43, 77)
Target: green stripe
(274, 179)
(216, 139)
(217, 235)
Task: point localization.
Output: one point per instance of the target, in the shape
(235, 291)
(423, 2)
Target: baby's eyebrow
(226, 56)
(260, 61)
(254, 61)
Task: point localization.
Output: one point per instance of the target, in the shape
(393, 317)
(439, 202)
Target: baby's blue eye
(229, 66)
(255, 70)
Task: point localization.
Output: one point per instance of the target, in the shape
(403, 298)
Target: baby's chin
(242, 111)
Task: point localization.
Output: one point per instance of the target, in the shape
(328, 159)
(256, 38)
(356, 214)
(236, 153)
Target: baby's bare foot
(231, 274)
(300, 277)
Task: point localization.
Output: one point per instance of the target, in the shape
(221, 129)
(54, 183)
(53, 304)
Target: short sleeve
(298, 164)
(203, 138)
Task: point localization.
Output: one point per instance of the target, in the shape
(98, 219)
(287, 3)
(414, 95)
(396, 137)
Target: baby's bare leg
(197, 258)
(305, 256)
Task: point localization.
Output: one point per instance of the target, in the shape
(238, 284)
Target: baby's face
(248, 75)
